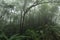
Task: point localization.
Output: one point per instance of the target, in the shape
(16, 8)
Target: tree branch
(38, 4)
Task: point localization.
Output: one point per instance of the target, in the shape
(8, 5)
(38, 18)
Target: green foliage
(39, 22)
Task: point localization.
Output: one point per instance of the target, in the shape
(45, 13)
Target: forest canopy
(29, 19)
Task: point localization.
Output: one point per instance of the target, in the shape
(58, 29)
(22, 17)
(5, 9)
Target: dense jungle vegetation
(29, 19)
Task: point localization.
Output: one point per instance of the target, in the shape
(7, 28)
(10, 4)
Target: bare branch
(38, 4)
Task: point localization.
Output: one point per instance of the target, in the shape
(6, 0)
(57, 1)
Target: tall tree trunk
(22, 18)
